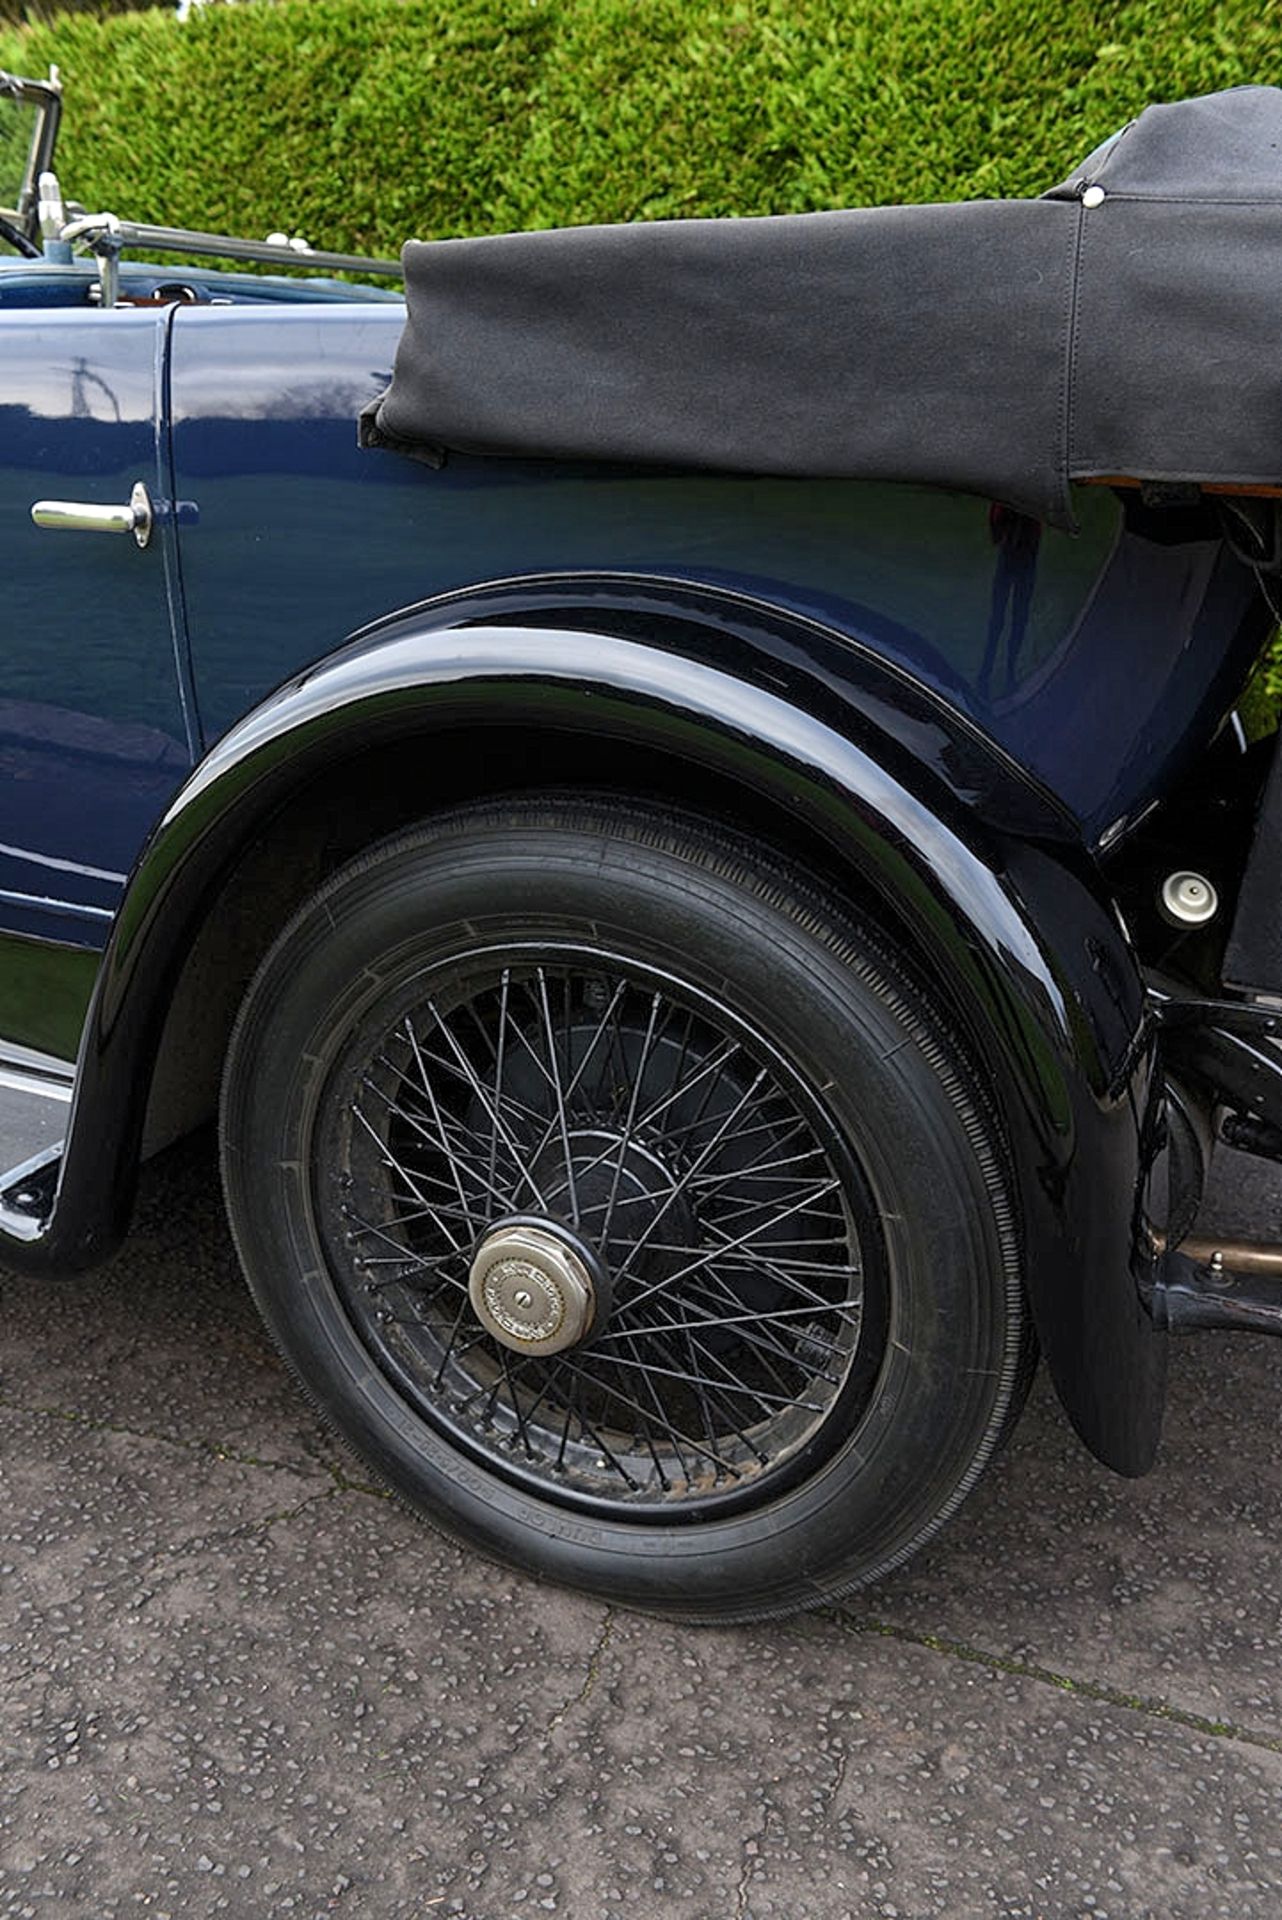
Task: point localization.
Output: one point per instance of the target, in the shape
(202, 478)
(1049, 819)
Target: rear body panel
(1100, 663)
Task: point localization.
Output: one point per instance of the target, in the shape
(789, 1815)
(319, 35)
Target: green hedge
(362, 121)
(18, 11)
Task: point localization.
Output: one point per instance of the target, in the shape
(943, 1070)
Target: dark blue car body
(987, 725)
(122, 669)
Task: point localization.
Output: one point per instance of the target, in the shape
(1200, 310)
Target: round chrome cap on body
(532, 1289)
(1188, 900)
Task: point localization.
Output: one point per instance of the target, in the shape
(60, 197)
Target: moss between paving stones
(360, 122)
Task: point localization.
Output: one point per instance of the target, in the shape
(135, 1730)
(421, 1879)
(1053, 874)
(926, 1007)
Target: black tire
(791, 1209)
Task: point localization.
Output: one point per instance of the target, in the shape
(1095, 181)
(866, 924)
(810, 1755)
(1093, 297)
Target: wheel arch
(832, 756)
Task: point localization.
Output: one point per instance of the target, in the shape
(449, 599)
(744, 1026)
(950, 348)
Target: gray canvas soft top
(1001, 347)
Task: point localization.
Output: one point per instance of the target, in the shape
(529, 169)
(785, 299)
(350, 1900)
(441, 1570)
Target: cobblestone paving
(236, 1679)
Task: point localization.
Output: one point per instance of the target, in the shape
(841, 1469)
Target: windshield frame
(46, 97)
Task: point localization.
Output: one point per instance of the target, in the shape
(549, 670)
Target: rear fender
(984, 872)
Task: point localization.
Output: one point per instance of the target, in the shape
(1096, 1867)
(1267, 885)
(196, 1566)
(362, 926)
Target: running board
(27, 1194)
(1236, 1286)
(35, 1097)
(46, 1227)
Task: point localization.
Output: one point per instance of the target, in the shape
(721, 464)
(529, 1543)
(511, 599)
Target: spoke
(647, 1118)
(391, 1161)
(728, 1385)
(421, 1319)
(430, 1091)
(417, 1120)
(697, 1119)
(727, 1415)
(567, 1036)
(778, 1203)
(492, 1393)
(549, 1376)
(498, 1076)
(565, 1433)
(625, 1400)
(624, 1081)
(705, 1407)
(784, 1263)
(508, 1368)
(589, 1432)
(775, 1138)
(754, 1169)
(735, 1319)
(561, 1114)
(757, 1336)
(738, 1179)
(770, 1098)
(397, 1220)
(453, 1137)
(404, 1259)
(430, 1208)
(522, 1429)
(406, 1253)
(720, 1059)
(626, 1139)
(493, 1111)
(762, 1172)
(633, 1199)
(767, 1349)
(761, 1259)
(751, 1338)
(464, 1304)
(664, 1423)
(467, 1075)
(761, 1264)
(790, 1393)
(432, 1323)
(713, 1253)
(531, 1051)
(466, 1171)
(661, 1475)
(582, 1066)
(520, 1108)
(648, 1232)
(680, 1067)
(469, 1011)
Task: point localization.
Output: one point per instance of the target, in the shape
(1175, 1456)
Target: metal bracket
(1210, 1284)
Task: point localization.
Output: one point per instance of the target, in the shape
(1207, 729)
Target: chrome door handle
(82, 516)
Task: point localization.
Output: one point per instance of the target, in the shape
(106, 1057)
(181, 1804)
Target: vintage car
(705, 862)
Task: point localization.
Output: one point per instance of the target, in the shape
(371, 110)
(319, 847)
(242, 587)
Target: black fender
(983, 870)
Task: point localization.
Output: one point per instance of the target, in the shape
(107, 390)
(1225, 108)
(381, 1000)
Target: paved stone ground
(235, 1680)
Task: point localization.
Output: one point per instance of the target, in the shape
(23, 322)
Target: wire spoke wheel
(662, 1144)
(626, 1207)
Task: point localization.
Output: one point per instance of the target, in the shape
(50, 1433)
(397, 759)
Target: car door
(94, 735)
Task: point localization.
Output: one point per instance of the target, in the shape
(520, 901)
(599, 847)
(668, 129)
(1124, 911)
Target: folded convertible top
(1126, 324)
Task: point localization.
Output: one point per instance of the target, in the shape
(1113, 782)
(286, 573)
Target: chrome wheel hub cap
(532, 1290)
